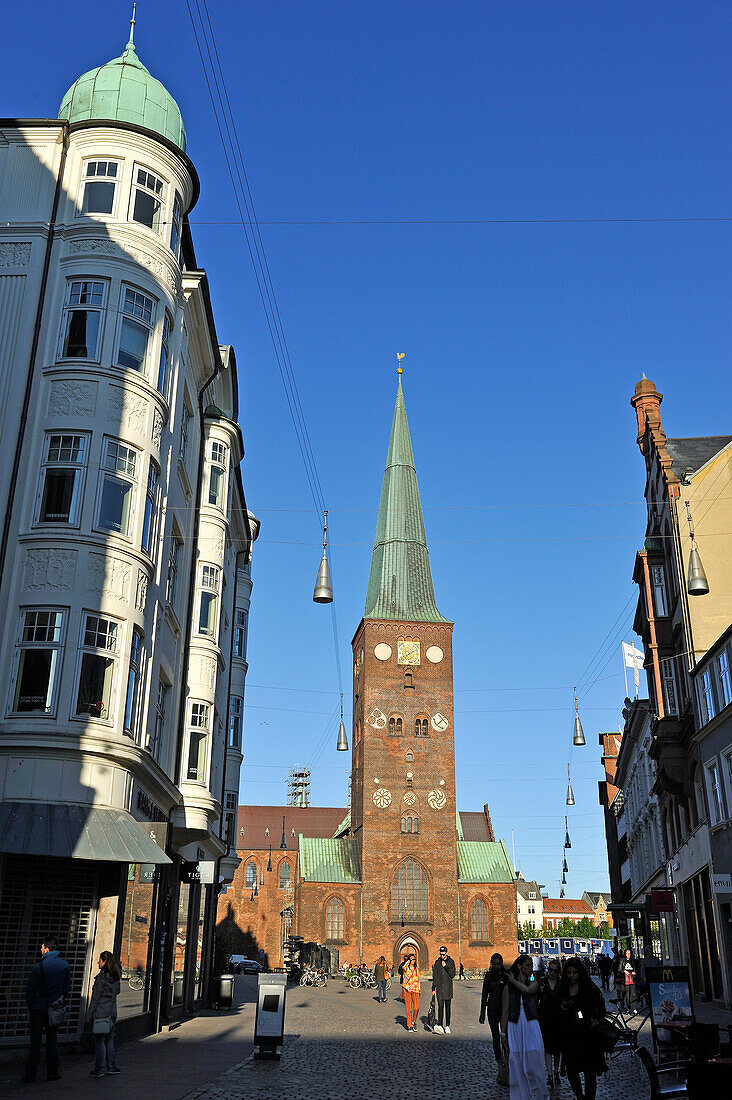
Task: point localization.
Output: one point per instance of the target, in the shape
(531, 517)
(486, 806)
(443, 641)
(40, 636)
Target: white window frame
(176, 224)
(106, 177)
(136, 308)
(209, 585)
(176, 542)
(236, 721)
(185, 422)
(154, 187)
(81, 288)
(115, 465)
(151, 511)
(715, 791)
(62, 442)
(241, 623)
(230, 815)
(725, 679)
(33, 635)
(164, 362)
(162, 700)
(199, 729)
(110, 651)
(131, 715)
(218, 462)
(658, 581)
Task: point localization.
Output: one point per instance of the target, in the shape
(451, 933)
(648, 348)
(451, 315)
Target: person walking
(625, 975)
(410, 988)
(102, 1013)
(49, 985)
(520, 1027)
(491, 1001)
(605, 966)
(649, 959)
(443, 973)
(461, 972)
(381, 973)
(581, 1007)
(549, 1020)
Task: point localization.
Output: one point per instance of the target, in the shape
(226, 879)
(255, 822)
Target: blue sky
(523, 342)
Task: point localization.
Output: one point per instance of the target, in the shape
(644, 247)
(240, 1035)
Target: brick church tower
(403, 772)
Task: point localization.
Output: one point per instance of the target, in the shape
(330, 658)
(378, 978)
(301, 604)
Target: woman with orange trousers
(410, 988)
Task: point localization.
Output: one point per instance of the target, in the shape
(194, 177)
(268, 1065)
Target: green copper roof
(123, 90)
(483, 861)
(400, 582)
(329, 860)
(344, 826)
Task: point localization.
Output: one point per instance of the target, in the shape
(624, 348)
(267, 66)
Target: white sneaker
(447, 1030)
(439, 1029)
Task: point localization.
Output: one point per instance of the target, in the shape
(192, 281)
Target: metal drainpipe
(460, 942)
(360, 931)
(23, 423)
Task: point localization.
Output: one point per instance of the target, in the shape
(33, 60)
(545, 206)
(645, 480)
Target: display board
(670, 997)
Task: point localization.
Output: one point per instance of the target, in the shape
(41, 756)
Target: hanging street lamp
(565, 868)
(696, 579)
(561, 892)
(283, 842)
(564, 879)
(342, 743)
(567, 841)
(570, 792)
(323, 587)
(579, 737)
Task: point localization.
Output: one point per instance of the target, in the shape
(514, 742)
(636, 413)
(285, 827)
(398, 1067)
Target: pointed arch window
(479, 920)
(409, 897)
(410, 824)
(334, 919)
(251, 874)
(284, 874)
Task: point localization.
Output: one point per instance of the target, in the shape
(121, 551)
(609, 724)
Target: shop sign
(722, 884)
(156, 831)
(662, 901)
(189, 872)
(670, 997)
(147, 872)
(207, 869)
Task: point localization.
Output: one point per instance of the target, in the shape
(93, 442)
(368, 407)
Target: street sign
(207, 870)
(662, 901)
(722, 884)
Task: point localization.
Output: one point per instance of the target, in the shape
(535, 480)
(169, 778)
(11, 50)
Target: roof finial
(131, 44)
(400, 356)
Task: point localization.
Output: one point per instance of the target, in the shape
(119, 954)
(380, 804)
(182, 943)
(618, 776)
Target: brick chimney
(647, 404)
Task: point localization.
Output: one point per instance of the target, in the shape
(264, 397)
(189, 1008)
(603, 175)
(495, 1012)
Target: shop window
(40, 647)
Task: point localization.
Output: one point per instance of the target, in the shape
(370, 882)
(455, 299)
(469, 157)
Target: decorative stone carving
(15, 253)
(49, 569)
(144, 259)
(97, 246)
(436, 799)
(376, 718)
(382, 798)
(108, 576)
(72, 398)
(141, 590)
(157, 429)
(206, 672)
(126, 409)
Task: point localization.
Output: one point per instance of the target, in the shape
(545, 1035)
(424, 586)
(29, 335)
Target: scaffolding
(298, 786)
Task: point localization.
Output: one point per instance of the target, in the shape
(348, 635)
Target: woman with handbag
(581, 1009)
(102, 1014)
(381, 974)
(625, 975)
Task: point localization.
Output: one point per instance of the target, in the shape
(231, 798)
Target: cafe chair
(706, 1080)
(666, 1081)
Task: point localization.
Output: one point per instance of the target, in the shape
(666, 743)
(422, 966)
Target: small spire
(131, 44)
(400, 356)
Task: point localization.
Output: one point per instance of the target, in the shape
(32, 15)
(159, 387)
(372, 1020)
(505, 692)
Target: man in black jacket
(491, 1001)
(49, 983)
(443, 973)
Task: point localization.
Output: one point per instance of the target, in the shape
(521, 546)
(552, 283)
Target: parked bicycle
(136, 978)
(313, 976)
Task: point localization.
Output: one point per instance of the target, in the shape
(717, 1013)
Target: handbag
(56, 1012)
(608, 1034)
(102, 1026)
(503, 1077)
(431, 1013)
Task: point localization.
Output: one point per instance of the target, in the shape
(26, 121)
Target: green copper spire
(400, 582)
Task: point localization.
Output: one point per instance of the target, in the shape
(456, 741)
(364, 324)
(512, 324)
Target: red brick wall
(248, 925)
(500, 899)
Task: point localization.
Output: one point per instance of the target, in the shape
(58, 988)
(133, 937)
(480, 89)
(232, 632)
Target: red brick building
(402, 869)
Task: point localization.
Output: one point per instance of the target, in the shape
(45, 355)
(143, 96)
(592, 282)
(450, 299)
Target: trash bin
(224, 991)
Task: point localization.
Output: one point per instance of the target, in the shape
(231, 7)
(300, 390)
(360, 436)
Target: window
(82, 322)
(479, 920)
(420, 727)
(137, 319)
(133, 681)
(185, 421)
(240, 633)
(706, 694)
(62, 478)
(395, 725)
(175, 544)
(532, 893)
(161, 709)
(100, 180)
(164, 365)
(175, 226)
(334, 920)
(149, 522)
(236, 710)
(251, 879)
(148, 192)
(118, 484)
(410, 824)
(659, 589)
(410, 757)
(715, 791)
(230, 818)
(409, 892)
(197, 742)
(217, 474)
(98, 661)
(531, 909)
(284, 875)
(40, 645)
(209, 600)
(724, 678)
(669, 687)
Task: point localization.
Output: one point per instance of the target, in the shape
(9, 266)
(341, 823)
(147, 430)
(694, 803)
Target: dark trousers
(443, 1011)
(626, 994)
(575, 1081)
(494, 1019)
(605, 979)
(104, 1057)
(39, 1024)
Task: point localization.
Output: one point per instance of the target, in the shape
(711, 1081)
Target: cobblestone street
(341, 1042)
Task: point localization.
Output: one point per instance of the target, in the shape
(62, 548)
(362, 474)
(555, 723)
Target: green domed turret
(125, 91)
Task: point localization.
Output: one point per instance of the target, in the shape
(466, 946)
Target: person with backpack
(46, 995)
(102, 1014)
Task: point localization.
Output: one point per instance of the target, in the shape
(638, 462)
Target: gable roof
(690, 454)
(474, 826)
(480, 861)
(525, 888)
(309, 820)
(593, 897)
(568, 907)
(329, 859)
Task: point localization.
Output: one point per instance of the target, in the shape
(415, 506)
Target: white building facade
(125, 555)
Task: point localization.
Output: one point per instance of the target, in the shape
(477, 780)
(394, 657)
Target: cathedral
(402, 869)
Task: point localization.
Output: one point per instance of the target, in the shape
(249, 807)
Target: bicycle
(136, 979)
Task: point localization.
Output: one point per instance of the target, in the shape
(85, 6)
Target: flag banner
(632, 657)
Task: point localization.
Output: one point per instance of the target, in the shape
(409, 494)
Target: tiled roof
(525, 888)
(308, 820)
(474, 826)
(400, 582)
(567, 907)
(329, 860)
(689, 455)
(485, 861)
(594, 896)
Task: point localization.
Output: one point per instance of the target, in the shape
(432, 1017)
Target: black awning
(66, 830)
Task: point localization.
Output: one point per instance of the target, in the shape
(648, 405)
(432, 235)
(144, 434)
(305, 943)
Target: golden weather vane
(400, 356)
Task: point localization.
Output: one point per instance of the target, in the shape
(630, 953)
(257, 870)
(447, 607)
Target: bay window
(161, 710)
(148, 193)
(81, 329)
(149, 522)
(175, 225)
(208, 600)
(198, 742)
(217, 474)
(62, 478)
(133, 682)
(99, 641)
(164, 365)
(137, 316)
(240, 633)
(99, 184)
(119, 466)
(40, 646)
(236, 711)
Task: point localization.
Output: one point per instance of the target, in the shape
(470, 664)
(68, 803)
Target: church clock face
(382, 798)
(408, 653)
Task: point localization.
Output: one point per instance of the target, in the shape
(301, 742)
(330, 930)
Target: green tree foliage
(526, 931)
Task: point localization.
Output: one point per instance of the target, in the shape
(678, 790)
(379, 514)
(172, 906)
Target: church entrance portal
(411, 944)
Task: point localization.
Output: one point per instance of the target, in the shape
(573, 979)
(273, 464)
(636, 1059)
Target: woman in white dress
(520, 1025)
